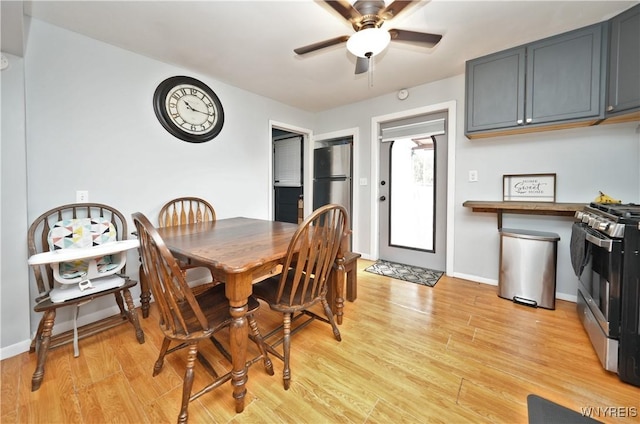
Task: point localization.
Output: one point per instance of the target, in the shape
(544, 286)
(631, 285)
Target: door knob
(382, 198)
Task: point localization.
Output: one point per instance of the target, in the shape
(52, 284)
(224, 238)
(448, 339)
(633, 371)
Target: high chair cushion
(82, 233)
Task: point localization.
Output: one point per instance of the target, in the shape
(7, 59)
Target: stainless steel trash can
(528, 262)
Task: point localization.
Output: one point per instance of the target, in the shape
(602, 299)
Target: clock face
(188, 109)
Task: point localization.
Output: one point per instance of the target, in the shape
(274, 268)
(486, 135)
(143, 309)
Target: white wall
(14, 289)
(360, 114)
(91, 126)
(586, 160)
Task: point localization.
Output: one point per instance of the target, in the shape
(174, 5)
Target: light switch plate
(473, 176)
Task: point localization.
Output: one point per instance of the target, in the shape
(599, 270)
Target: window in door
(412, 194)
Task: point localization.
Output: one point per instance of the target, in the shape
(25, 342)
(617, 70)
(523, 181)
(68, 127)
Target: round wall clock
(188, 109)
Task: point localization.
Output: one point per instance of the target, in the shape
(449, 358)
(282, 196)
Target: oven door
(600, 281)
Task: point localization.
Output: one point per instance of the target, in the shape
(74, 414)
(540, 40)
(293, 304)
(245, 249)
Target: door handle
(382, 198)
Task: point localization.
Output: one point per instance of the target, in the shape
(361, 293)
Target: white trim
(355, 177)
(63, 326)
(307, 179)
(567, 297)
(450, 108)
(15, 349)
(475, 279)
(482, 280)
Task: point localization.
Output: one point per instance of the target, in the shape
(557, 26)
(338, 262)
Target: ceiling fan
(367, 17)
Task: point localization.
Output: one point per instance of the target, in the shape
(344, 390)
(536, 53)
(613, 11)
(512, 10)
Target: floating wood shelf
(528, 208)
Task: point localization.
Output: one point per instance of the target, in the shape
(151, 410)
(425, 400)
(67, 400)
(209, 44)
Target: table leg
(236, 291)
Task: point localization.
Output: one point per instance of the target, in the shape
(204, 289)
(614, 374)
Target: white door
(413, 191)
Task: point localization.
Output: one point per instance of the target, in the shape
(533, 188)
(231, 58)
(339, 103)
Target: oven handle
(606, 243)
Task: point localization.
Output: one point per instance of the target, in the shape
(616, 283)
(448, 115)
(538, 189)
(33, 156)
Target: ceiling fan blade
(345, 9)
(362, 65)
(429, 40)
(394, 8)
(321, 45)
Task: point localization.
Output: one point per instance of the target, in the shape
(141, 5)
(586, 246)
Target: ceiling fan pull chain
(370, 66)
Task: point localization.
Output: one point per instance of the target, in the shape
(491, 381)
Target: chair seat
(215, 306)
(267, 290)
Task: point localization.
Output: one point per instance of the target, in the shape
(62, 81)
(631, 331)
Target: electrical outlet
(82, 196)
(473, 176)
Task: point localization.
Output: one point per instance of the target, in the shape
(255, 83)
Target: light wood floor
(454, 353)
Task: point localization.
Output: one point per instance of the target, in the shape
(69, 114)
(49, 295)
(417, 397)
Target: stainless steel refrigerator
(332, 176)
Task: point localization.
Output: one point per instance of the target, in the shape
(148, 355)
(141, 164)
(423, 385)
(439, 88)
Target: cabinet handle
(519, 121)
(529, 120)
(609, 108)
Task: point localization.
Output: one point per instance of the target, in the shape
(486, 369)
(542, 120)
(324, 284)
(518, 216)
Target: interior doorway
(289, 181)
(288, 170)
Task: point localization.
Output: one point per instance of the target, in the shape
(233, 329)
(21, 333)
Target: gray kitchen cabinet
(624, 63)
(495, 90)
(554, 82)
(564, 77)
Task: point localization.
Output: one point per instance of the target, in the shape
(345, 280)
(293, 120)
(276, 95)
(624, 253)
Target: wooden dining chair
(186, 210)
(75, 232)
(303, 282)
(187, 318)
(190, 210)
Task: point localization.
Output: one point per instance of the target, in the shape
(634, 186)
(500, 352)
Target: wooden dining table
(239, 251)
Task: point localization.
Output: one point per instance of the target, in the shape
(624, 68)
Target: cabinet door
(495, 91)
(624, 62)
(564, 77)
(286, 204)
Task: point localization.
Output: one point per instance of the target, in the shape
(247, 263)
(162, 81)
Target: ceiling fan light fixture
(368, 42)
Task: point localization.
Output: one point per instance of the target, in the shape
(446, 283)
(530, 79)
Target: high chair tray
(64, 255)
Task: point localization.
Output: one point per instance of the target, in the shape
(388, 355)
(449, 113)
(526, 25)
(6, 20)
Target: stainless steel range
(605, 254)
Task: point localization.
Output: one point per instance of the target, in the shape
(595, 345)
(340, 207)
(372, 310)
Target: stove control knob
(603, 226)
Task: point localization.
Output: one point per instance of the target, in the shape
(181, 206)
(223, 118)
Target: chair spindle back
(186, 210)
(311, 255)
(177, 304)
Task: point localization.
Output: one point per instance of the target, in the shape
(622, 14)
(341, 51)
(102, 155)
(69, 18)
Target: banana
(603, 198)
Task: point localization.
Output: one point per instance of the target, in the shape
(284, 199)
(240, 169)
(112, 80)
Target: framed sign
(529, 187)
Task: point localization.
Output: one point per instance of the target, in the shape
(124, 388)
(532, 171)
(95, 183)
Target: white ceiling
(249, 44)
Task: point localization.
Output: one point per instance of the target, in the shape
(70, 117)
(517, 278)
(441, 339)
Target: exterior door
(412, 195)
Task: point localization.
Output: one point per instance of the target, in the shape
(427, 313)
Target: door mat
(410, 273)
(543, 411)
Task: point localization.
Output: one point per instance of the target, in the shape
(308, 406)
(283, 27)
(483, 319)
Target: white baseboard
(567, 297)
(561, 296)
(475, 278)
(15, 349)
(61, 327)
